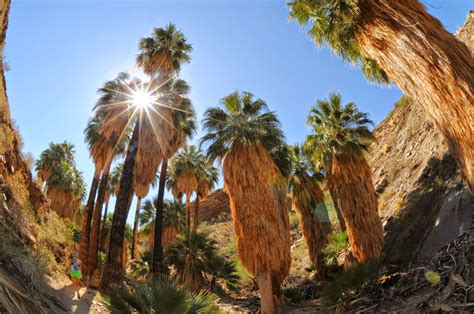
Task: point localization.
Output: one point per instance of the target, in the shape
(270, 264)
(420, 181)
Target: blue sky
(61, 51)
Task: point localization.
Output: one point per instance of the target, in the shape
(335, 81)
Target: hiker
(75, 275)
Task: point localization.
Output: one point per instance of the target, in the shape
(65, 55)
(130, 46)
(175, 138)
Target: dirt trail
(88, 303)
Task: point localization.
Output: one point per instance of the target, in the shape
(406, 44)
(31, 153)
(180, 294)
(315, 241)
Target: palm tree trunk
(350, 180)
(188, 211)
(196, 214)
(158, 227)
(96, 220)
(135, 229)
(267, 303)
(86, 223)
(103, 231)
(434, 69)
(113, 268)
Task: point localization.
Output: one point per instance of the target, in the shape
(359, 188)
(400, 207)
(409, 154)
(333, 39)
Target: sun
(141, 99)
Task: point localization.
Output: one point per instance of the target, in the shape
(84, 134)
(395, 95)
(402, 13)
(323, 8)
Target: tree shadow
(72, 304)
(436, 212)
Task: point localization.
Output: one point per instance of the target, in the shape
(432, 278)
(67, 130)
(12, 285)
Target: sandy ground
(88, 303)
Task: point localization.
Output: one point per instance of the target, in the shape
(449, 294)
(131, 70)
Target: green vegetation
(161, 295)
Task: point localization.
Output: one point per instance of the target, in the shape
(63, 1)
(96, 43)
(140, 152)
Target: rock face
(422, 198)
(212, 205)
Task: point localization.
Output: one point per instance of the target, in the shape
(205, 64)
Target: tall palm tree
(109, 149)
(173, 220)
(183, 119)
(160, 56)
(184, 171)
(433, 68)
(338, 143)
(243, 135)
(308, 200)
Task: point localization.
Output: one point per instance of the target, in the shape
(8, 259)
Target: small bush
(338, 245)
(162, 295)
(346, 284)
(293, 294)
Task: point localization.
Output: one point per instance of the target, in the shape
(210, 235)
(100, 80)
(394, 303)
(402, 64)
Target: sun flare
(141, 99)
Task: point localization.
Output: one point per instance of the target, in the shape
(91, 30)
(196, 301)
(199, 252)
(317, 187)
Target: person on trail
(75, 275)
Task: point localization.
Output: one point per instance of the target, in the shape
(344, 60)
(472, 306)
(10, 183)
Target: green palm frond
(336, 129)
(167, 41)
(242, 120)
(333, 23)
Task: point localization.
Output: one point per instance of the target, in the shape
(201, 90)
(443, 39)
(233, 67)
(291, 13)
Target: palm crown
(173, 213)
(333, 23)
(242, 120)
(52, 156)
(301, 167)
(337, 129)
(163, 52)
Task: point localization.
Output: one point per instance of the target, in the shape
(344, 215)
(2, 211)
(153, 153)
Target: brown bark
(196, 214)
(158, 227)
(308, 200)
(428, 64)
(113, 269)
(96, 220)
(267, 303)
(86, 224)
(350, 181)
(103, 231)
(188, 211)
(135, 229)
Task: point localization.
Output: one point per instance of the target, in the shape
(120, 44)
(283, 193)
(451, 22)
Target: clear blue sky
(61, 51)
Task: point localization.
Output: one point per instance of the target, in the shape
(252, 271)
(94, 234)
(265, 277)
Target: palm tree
(161, 56)
(163, 53)
(184, 170)
(433, 68)
(338, 143)
(207, 177)
(308, 200)
(50, 157)
(63, 183)
(183, 119)
(173, 220)
(65, 189)
(244, 135)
